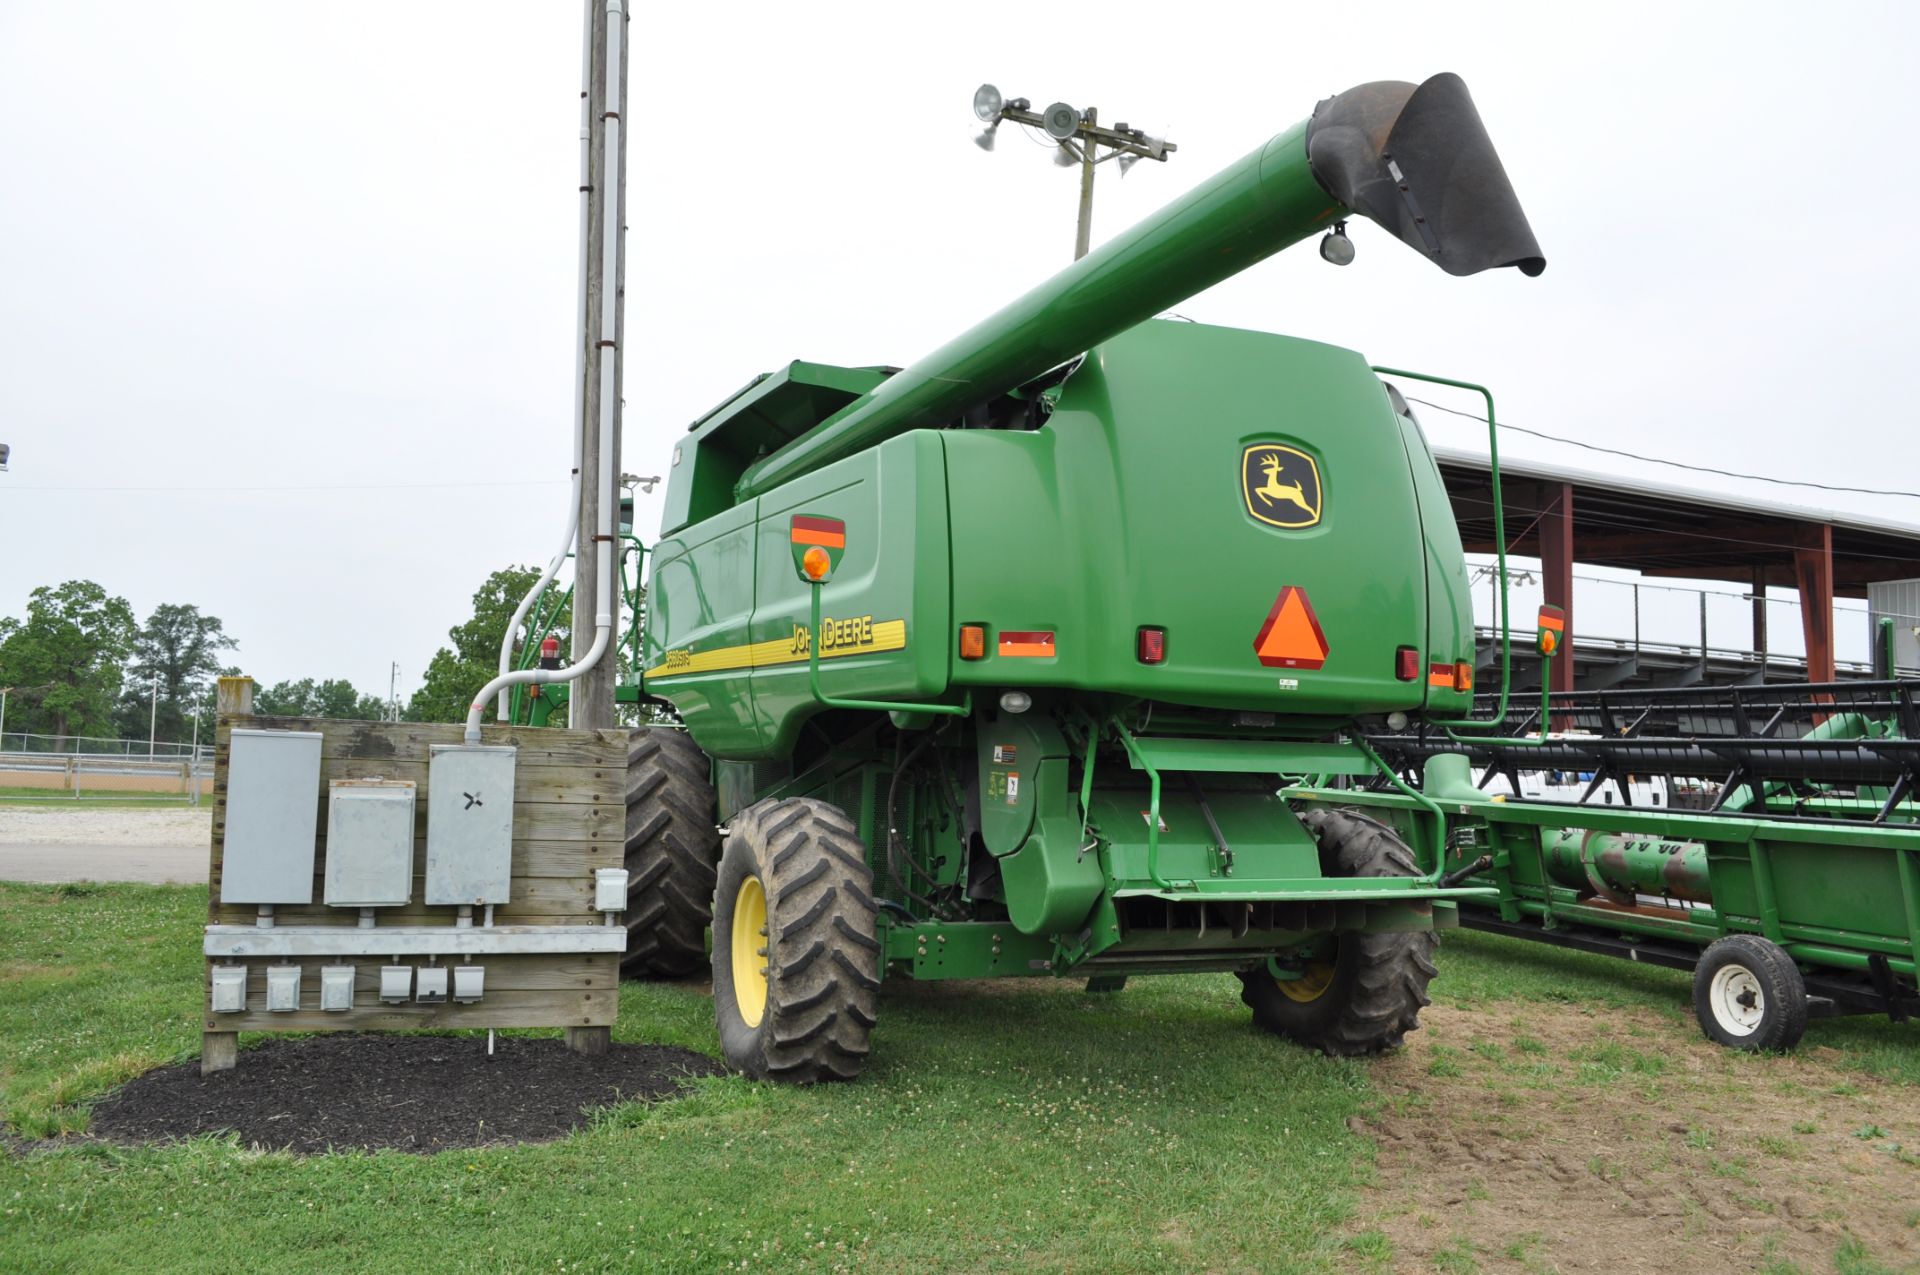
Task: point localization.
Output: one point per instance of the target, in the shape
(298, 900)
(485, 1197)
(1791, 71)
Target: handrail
(1499, 538)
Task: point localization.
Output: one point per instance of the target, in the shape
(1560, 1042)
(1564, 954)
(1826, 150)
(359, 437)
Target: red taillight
(1152, 646)
(550, 653)
(1406, 664)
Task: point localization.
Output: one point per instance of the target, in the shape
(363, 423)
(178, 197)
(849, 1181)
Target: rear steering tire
(672, 846)
(796, 966)
(1369, 996)
(1748, 994)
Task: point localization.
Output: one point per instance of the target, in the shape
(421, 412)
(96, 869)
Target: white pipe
(579, 364)
(610, 233)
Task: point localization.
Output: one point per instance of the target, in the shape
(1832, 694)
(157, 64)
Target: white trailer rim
(1736, 1000)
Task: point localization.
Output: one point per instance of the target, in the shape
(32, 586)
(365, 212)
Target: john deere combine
(999, 659)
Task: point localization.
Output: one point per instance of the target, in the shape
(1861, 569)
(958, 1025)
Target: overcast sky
(249, 249)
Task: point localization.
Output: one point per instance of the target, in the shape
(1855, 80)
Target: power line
(1655, 460)
(531, 482)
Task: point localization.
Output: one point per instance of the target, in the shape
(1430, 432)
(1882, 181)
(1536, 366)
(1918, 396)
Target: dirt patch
(63, 826)
(1542, 1137)
(409, 1093)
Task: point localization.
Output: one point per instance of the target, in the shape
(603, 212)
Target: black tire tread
(1389, 988)
(823, 961)
(672, 850)
(1786, 991)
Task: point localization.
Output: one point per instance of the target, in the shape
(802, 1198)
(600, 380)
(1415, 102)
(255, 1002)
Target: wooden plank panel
(403, 740)
(506, 1009)
(581, 972)
(569, 818)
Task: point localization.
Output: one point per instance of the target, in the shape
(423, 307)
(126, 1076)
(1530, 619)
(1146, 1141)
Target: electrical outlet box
(283, 988)
(396, 984)
(469, 982)
(273, 789)
(369, 843)
(229, 989)
(469, 823)
(430, 985)
(336, 988)
(610, 890)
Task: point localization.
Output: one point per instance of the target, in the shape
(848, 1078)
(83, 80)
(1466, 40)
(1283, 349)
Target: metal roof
(1663, 530)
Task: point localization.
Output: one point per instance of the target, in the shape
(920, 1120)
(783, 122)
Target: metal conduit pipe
(609, 402)
(579, 367)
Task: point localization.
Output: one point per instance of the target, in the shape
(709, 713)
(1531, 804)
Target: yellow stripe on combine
(888, 635)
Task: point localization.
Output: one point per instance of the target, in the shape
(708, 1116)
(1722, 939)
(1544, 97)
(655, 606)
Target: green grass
(1006, 1126)
(1000, 1126)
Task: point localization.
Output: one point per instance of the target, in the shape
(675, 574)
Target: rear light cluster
(1452, 677)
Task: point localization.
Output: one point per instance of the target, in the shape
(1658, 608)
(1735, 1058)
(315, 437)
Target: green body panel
(1127, 510)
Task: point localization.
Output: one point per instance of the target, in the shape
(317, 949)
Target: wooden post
(590, 1041)
(235, 697)
(219, 1051)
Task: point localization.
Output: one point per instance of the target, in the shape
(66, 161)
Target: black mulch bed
(410, 1093)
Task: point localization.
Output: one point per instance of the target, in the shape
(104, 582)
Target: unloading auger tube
(1415, 159)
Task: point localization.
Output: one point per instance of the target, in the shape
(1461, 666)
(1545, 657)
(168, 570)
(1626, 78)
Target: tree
(178, 648)
(457, 673)
(65, 658)
(335, 697)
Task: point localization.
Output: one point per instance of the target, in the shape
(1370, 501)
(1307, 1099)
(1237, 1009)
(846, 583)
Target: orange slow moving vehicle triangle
(1291, 637)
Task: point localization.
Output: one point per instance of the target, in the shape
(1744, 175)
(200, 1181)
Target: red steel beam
(1813, 572)
(1556, 563)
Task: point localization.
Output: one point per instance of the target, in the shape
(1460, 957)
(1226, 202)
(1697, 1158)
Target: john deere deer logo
(1281, 485)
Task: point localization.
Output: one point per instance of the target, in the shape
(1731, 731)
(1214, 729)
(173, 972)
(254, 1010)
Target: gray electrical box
(369, 843)
(273, 808)
(336, 988)
(469, 824)
(229, 994)
(283, 988)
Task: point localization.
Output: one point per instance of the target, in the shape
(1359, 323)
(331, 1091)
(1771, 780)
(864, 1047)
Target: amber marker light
(973, 641)
(816, 563)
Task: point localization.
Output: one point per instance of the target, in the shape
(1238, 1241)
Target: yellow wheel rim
(749, 948)
(1310, 986)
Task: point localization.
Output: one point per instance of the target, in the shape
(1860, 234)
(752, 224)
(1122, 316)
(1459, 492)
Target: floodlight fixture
(987, 135)
(5, 451)
(1060, 121)
(987, 103)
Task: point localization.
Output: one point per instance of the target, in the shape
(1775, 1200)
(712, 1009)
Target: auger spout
(1415, 159)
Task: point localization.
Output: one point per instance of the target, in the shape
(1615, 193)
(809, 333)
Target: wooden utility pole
(591, 702)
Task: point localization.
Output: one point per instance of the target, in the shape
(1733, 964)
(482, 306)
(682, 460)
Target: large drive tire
(671, 848)
(1370, 995)
(796, 966)
(1748, 994)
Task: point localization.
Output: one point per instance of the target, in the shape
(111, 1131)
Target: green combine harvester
(1094, 645)
(992, 665)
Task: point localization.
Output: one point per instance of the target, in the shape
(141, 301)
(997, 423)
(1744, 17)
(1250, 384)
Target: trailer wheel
(1369, 996)
(795, 961)
(671, 850)
(1748, 994)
